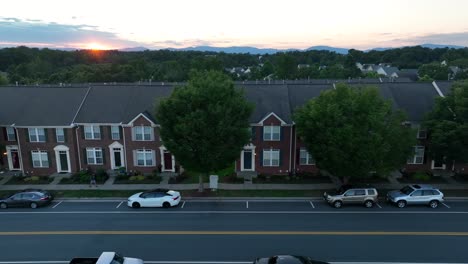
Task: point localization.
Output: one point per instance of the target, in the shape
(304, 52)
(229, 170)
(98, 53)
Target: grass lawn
(130, 180)
(77, 179)
(369, 180)
(415, 180)
(281, 179)
(30, 180)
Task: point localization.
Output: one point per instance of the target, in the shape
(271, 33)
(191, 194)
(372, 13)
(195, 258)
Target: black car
(287, 259)
(26, 198)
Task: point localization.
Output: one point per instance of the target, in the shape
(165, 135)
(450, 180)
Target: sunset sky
(360, 24)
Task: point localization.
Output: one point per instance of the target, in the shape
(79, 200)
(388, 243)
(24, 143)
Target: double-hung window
(115, 132)
(36, 135)
(418, 156)
(10, 134)
(92, 132)
(40, 159)
(94, 156)
(142, 133)
(271, 157)
(305, 157)
(145, 157)
(271, 133)
(60, 134)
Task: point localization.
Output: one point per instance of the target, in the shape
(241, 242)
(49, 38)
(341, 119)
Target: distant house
(412, 74)
(302, 66)
(388, 71)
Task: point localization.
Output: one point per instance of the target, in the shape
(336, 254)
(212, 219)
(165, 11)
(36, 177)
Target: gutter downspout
(295, 145)
(20, 156)
(290, 146)
(125, 146)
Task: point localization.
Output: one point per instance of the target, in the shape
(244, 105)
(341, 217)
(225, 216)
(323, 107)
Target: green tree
(286, 66)
(434, 71)
(353, 131)
(204, 123)
(3, 80)
(447, 124)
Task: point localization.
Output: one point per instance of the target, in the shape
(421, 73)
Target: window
(60, 134)
(271, 158)
(417, 193)
(94, 156)
(145, 158)
(10, 134)
(370, 192)
(92, 132)
(142, 133)
(418, 157)
(39, 159)
(305, 158)
(349, 193)
(360, 192)
(115, 131)
(271, 133)
(422, 133)
(36, 135)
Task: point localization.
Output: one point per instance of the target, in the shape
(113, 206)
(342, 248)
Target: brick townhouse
(51, 129)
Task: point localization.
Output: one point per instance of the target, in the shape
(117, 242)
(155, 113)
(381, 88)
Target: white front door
(13, 158)
(117, 155)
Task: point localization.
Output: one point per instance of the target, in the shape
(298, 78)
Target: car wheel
(166, 205)
(33, 205)
(434, 204)
(368, 204)
(136, 205)
(3, 205)
(337, 204)
(401, 204)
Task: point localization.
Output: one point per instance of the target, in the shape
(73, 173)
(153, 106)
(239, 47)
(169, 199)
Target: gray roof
(267, 99)
(121, 103)
(390, 70)
(445, 87)
(301, 94)
(39, 105)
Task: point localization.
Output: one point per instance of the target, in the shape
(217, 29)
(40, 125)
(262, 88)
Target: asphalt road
(235, 231)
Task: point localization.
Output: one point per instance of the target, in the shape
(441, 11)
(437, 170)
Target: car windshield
(406, 190)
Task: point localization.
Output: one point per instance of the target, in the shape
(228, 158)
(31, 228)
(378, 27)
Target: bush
(421, 176)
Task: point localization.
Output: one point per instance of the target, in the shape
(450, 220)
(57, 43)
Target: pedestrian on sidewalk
(92, 181)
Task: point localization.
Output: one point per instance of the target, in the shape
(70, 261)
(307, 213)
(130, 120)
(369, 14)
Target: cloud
(30, 32)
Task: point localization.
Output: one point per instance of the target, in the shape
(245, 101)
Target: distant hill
(134, 49)
(259, 51)
(441, 46)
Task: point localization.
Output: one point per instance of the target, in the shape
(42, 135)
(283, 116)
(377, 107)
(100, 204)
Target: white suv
(416, 194)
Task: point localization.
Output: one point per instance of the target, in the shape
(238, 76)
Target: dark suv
(26, 198)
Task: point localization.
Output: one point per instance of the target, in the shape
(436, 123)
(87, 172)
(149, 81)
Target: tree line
(25, 65)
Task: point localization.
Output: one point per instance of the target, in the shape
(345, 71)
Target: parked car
(416, 194)
(348, 194)
(27, 198)
(287, 259)
(107, 258)
(154, 198)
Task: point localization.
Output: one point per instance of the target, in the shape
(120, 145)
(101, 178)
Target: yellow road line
(278, 233)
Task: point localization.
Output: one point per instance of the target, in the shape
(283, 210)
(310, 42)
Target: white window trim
(10, 134)
(94, 151)
(145, 152)
(57, 134)
(115, 132)
(270, 128)
(414, 157)
(134, 133)
(270, 154)
(93, 132)
(422, 131)
(309, 159)
(36, 134)
(40, 153)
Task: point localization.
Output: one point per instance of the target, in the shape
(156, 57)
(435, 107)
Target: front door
(64, 167)
(118, 158)
(438, 163)
(13, 159)
(167, 161)
(247, 160)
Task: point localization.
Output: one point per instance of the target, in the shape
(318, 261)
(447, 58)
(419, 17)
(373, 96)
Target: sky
(280, 24)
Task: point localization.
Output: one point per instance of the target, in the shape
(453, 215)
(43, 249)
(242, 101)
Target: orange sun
(96, 46)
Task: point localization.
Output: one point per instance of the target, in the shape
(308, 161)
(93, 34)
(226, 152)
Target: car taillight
(45, 198)
(175, 198)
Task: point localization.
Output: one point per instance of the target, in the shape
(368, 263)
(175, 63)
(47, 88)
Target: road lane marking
(247, 233)
(119, 204)
(446, 205)
(312, 204)
(210, 262)
(183, 204)
(233, 212)
(379, 205)
(247, 204)
(57, 204)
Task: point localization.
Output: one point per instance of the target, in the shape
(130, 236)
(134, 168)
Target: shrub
(35, 178)
(140, 178)
(421, 176)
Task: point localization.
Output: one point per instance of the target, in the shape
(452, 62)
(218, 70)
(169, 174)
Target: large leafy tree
(448, 125)
(353, 131)
(205, 123)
